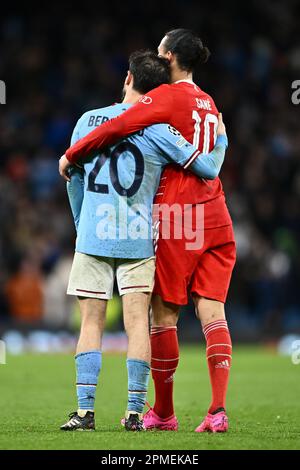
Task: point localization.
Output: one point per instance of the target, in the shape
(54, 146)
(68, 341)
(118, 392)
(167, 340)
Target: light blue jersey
(111, 196)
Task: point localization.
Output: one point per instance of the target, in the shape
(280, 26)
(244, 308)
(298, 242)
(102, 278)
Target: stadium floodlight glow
(2, 92)
(2, 352)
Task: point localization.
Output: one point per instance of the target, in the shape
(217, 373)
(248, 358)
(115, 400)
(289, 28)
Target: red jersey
(194, 114)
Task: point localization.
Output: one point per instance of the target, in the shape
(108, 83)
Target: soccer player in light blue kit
(111, 198)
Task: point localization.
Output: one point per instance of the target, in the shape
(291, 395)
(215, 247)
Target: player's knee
(208, 310)
(136, 322)
(163, 313)
(164, 319)
(135, 310)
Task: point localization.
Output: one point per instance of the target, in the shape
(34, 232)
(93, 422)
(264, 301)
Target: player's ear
(129, 78)
(170, 56)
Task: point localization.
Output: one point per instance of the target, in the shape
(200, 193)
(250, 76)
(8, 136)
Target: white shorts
(93, 276)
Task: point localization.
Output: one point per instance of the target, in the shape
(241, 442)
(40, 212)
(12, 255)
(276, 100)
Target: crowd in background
(56, 65)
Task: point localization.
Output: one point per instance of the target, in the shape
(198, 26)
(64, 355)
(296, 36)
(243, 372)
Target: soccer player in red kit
(204, 270)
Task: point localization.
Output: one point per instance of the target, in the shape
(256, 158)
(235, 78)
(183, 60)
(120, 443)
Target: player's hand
(221, 130)
(64, 165)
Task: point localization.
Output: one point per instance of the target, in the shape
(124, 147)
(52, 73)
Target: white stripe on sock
(217, 323)
(219, 344)
(218, 327)
(212, 355)
(86, 385)
(166, 360)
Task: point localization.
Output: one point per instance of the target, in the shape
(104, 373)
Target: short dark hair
(187, 47)
(148, 70)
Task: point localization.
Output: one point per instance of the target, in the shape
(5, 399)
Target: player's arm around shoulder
(209, 165)
(217, 155)
(154, 107)
(174, 147)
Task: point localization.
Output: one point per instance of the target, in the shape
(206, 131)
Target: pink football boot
(214, 423)
(205, 425)
(153, 421)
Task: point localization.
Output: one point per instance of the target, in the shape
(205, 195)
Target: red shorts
(205, 271)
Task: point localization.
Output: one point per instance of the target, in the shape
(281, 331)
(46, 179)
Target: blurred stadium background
(57, 63)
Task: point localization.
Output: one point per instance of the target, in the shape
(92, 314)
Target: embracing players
(206, 272)
(111, 197)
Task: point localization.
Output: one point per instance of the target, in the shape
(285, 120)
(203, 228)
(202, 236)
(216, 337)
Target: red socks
(164, 362)
(165, 358)
(218, 354)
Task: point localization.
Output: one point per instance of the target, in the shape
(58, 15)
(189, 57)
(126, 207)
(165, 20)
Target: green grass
(37, 391)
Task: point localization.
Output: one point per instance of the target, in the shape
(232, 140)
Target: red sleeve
(153, 108)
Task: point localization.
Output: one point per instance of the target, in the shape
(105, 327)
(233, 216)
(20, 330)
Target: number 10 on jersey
(209, 127)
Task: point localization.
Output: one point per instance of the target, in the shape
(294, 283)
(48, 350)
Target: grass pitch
(37, 392)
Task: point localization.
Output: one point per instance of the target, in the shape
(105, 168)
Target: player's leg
(136, 322)
(174, 266)
(93, 277)
(218, 351)
(209, 288)
(88, 359)
(164, 359)
(135, 281)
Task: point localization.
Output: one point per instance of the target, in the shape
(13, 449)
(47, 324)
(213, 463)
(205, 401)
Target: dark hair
(187, 47)
(148, 70)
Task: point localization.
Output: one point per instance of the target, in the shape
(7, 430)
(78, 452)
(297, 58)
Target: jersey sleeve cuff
(222, 140)
(191, 159)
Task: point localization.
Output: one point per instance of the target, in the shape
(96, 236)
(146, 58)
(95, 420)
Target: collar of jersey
(186, 81)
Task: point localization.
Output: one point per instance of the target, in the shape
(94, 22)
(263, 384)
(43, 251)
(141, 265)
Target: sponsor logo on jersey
(146, 99)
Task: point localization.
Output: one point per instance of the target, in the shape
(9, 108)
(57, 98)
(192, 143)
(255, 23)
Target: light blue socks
(88, 366)
(138, 379)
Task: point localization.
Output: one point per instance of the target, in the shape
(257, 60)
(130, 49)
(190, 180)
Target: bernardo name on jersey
(111, 194)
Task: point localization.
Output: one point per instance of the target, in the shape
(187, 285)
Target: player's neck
(131, 97)
(178, 75)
